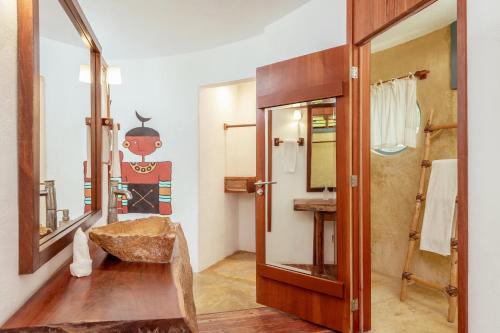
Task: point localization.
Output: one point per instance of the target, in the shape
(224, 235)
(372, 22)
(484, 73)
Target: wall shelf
(239, 184)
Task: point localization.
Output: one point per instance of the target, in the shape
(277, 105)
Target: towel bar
(277, 141)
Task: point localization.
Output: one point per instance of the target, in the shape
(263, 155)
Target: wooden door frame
(360, 57)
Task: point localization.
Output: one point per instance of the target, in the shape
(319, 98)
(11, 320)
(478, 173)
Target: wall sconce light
(114, 75)
(85, 73)
(297, 115)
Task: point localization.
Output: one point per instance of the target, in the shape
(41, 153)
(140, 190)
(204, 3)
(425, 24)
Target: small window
(388, 151)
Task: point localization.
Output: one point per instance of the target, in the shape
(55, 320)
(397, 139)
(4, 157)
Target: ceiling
(432, 18)
(154, 28)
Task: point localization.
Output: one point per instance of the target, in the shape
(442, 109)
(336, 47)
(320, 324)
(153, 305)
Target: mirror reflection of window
(322, 147)
(65, 104)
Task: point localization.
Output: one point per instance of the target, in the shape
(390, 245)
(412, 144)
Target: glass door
(303, 189)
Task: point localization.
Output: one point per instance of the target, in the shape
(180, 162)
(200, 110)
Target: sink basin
(144, 240)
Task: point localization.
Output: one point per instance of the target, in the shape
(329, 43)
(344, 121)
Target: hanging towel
(440, 207)
(106, 143)
(88, 172)
(290, 148)
(115, 163)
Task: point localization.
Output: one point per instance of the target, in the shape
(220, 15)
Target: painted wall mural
(149, 182)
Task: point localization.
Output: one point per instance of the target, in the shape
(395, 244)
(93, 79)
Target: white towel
(115, 163)
(106, 143)
(440, 207)
(290, 148)
(89, 152)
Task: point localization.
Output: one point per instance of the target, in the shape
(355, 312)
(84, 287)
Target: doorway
(225, 280)
(386, 231)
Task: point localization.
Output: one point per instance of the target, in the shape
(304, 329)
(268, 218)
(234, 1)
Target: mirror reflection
(65, 103)
(301, 224)
(322, 147)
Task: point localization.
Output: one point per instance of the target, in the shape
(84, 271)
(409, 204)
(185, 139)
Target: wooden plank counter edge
(118, 295)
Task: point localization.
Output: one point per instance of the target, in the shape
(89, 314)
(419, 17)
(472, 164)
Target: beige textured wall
(395, 178)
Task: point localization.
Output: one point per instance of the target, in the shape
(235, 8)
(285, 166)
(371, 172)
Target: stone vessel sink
(144, 240)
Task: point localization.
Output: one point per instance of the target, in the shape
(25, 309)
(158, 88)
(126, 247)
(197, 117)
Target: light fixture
(297, 115)
(85, 73)
(114, 75)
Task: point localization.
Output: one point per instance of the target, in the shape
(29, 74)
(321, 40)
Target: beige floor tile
(229, 285)
(425, 310)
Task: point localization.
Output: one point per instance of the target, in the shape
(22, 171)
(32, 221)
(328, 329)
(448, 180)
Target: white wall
(218, 219)
(240, 157)
(167, 89)
(226, 221)
(484, 163)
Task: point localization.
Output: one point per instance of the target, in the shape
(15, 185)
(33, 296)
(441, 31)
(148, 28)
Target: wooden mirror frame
(31, 256)
(309, 147)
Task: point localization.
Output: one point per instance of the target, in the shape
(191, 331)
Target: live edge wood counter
(117, 297)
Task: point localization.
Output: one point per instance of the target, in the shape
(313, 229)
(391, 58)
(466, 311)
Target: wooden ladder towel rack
(408, 278)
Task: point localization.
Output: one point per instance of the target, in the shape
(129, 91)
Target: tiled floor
(229, 285)
(424, 311)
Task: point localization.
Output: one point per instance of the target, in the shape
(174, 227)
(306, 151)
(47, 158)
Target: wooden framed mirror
(59, 128)
(321, 146)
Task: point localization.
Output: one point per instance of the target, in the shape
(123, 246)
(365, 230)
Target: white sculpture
(82, 264)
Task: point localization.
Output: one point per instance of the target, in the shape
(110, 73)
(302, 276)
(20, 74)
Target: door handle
(261, 183)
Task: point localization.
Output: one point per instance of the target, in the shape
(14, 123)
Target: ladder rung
(430, 284)
(432, 128)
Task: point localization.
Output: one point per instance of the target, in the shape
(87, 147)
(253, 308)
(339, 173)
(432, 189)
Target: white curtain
(394, 119)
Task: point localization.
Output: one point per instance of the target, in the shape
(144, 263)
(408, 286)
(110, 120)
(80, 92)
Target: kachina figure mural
(149, 182)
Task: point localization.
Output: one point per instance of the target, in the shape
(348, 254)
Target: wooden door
(287, 262)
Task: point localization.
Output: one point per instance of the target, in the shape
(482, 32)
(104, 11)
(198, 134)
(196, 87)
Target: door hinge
(354, 305)
(354, 72)
(354, 181)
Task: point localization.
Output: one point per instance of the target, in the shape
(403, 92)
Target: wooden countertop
(117, 296)
(315, 205)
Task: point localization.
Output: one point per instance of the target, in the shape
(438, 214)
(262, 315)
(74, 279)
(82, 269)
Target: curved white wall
(167, 89)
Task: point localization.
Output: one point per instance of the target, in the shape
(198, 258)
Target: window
(388, 151)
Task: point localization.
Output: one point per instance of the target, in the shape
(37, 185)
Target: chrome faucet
(114, 192)
(49, 192)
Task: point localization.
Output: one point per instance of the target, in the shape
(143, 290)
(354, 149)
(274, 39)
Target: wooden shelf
(239, 184)
(119, 296)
